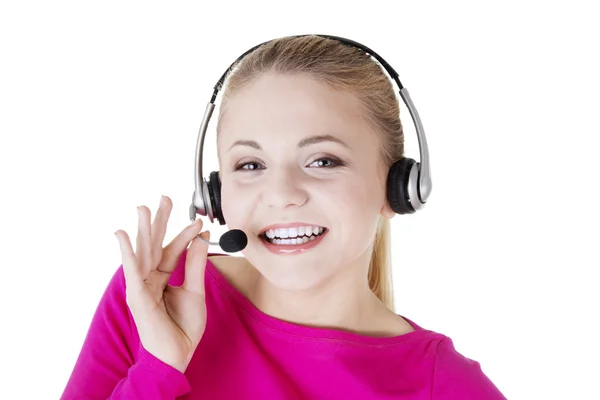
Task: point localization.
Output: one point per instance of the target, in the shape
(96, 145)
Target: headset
(408, 181)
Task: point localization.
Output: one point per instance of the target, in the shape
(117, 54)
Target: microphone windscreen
(233, 241)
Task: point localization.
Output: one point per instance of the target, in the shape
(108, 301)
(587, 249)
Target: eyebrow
(303, 143)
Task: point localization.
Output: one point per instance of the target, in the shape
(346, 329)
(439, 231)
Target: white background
(100, 105)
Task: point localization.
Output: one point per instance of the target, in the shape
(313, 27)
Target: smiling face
(293, 151)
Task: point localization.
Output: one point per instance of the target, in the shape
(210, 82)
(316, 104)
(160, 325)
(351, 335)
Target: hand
(170, 319)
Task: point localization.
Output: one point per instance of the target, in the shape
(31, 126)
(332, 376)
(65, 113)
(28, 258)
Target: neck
(345, 302)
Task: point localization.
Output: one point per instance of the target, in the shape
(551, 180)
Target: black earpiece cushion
(214, 184)
(397, 186)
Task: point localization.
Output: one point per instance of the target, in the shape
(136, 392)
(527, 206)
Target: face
(273, 171)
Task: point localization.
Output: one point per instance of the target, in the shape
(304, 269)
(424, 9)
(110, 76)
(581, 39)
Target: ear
(387, 211)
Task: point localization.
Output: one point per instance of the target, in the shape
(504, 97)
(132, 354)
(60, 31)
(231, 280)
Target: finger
(143, 241)
(159, 229)
(133, 277)
(172, 252)
(195, 265)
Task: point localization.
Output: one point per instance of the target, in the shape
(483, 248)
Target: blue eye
(326, 162)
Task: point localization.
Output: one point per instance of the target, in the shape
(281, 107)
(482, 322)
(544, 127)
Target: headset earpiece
(214, 191)
(398, 183)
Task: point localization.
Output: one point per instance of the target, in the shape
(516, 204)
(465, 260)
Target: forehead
(285, 105)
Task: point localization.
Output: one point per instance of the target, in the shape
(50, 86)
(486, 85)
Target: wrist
(154, 359)
(162, 374)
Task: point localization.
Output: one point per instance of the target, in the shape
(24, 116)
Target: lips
(291, 249)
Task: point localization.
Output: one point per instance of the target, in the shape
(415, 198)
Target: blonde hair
(343, 68)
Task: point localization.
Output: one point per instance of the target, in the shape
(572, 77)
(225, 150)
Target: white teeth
(294, 232)
(282, 233)
(294, 241)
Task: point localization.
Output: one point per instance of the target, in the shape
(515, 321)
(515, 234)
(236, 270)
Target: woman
(307, 132)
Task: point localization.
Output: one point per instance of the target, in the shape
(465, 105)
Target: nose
(284, 188)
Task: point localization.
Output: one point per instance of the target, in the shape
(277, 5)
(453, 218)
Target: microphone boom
(231, 242)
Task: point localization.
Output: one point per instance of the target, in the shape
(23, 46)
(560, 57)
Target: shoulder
(456, 376)
(115, 290)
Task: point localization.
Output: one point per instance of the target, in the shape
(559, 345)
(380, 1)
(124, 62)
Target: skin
(326, 286)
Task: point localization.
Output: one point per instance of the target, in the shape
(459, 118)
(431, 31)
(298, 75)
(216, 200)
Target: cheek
(358, 209)
(364, 193)
(340, 198)
(353, 205)
(236, 205)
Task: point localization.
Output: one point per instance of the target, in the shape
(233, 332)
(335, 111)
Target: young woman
(307, 132)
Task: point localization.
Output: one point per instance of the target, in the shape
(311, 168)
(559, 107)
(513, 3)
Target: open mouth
(299, 236)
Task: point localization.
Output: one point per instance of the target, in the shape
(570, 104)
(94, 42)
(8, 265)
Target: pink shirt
(246, 354)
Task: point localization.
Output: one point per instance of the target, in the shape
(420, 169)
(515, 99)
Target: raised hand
(170, 320)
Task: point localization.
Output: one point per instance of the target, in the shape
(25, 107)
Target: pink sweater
(246, 354)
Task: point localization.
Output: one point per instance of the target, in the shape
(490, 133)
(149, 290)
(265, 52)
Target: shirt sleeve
(458, 377)
(113, 364)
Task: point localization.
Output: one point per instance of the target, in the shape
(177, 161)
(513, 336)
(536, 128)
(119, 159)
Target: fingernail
(162, 200)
